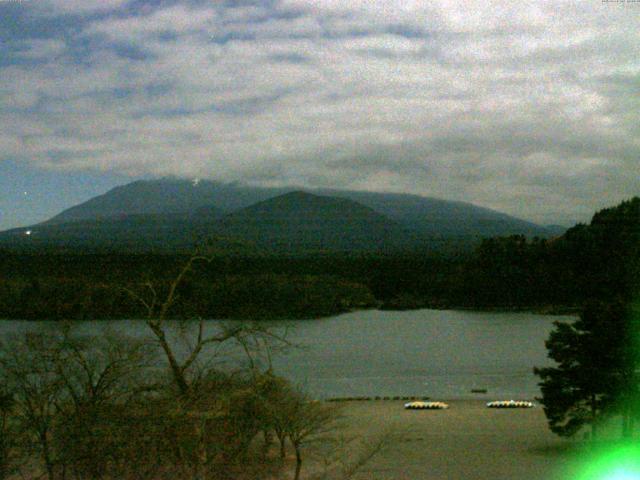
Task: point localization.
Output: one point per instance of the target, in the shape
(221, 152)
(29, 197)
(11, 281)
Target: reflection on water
(441, 354)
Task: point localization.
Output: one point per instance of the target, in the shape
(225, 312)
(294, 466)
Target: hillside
(300, 221)
(162, 233)
(165, 197)
(175, 214)
(427, 215)
(600, 260)
(295, 222)
(436, 217)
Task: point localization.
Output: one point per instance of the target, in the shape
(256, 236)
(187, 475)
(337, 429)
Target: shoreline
(465, 441)
(540, 310)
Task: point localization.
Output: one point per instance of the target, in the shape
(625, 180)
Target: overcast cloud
(531, 108)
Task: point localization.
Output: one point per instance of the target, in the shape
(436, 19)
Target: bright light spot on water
(28, 232)
(195, 182)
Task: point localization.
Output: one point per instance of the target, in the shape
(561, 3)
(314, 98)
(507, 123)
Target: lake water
(435, 353)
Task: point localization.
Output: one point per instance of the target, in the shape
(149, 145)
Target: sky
(531, 108)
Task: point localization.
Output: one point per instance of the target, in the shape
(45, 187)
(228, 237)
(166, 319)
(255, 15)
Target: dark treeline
(598, 260)
(595, 375)
(595, 261)
(93, 286)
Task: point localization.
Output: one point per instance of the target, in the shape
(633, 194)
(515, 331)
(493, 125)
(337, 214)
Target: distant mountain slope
(427, 215)
(295, 222)
(136, 233)
(556, 230)
(165, 197)
(436, 217)
(300, 221)
(167, 214)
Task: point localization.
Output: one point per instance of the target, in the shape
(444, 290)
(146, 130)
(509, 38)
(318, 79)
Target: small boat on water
(426, 406)
(510, 404)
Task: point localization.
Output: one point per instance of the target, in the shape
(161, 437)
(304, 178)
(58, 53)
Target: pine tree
(596, 372)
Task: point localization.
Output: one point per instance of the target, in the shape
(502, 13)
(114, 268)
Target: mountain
(301, 221)
(144, 198)
(169, 213)
(140, 232)
(443, 218)
(295, 222)
(556, 230)
(431, 215)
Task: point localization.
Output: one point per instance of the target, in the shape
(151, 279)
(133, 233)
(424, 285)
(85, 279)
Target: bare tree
(28, 369)
(314, 427)
(302, 421)
(100, 375)
(249, 336)
(69, 392)
(103, 368)
(277, 398)
(157, 307)
(7, 435)
(352, 459)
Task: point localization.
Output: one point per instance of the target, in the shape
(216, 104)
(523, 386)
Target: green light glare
(616, 463)
(623, 475)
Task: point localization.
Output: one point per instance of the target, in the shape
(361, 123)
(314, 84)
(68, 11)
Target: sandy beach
(467, 441)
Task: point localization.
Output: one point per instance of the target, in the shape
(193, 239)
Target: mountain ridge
(302, 221)
(168, 213)
(172, 196)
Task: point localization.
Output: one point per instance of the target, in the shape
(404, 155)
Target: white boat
(510, 404)
(426, 406)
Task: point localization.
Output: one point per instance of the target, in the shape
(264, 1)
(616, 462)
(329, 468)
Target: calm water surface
(441, 354)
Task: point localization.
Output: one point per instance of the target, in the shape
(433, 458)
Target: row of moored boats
(443, 406)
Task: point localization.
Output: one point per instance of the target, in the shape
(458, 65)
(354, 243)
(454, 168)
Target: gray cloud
(528, 108)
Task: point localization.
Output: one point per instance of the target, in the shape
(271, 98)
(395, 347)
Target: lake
(436, 353)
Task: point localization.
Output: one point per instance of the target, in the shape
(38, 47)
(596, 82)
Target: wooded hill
(599, 260)
(172, 216)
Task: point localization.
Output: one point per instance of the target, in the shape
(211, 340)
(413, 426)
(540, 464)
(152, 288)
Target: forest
(595, 260)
